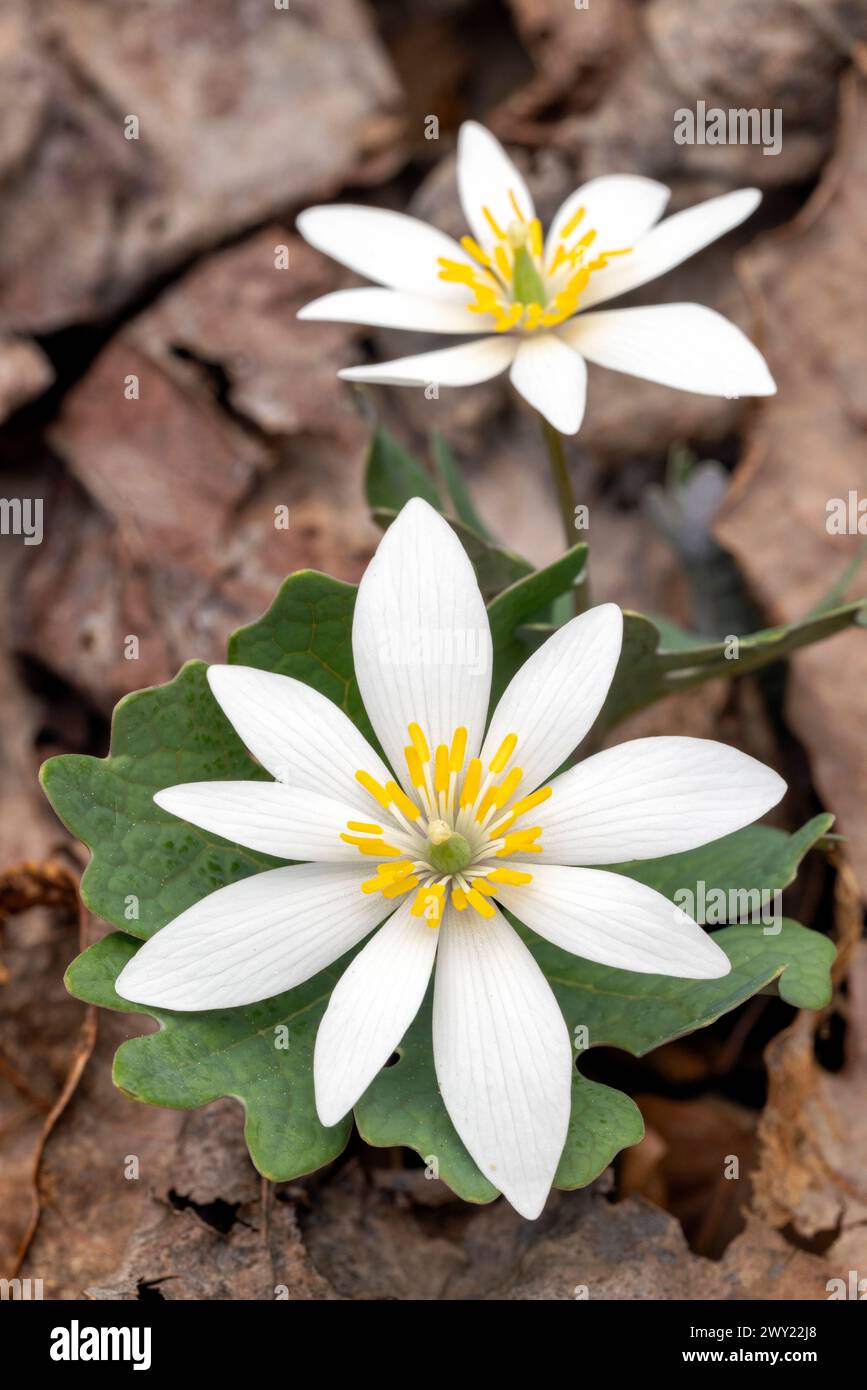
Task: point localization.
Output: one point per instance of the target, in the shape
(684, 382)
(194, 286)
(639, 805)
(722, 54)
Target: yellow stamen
(518, 213)
(458, 750)
(577, 216)
(402, 801)
(528, 803)
(403, 885)
(520, 842)
(513, 876)
(503, 753)
(498, 795)
(419, 742)
(489, 218)
(536, 245)
(416, 771)
(483, 886)
(472, 782)
(429, 903)
(364, 825)
(480, 903)
(371, 785)
(441, 769)
(503, 263)
(379, 848)
(459, 899)
(385, 875)
(472, 248)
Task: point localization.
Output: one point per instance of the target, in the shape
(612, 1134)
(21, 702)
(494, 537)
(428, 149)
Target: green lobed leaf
(261, 1054)
(393, 476)
(519, 604)
(454, 488)
(654, 664)
(739, 867)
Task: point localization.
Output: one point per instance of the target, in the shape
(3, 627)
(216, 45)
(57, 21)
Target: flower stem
(562, 481)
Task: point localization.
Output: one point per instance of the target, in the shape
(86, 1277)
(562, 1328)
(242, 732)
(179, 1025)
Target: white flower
(463, 822)
(533, 295)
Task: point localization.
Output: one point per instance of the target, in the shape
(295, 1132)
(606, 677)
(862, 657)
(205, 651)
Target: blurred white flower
(464, 819)
(533, 293)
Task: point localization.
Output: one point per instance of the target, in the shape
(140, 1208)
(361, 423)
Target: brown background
(156, 257)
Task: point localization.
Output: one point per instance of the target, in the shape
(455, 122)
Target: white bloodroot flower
(532, 294)
(463, 821)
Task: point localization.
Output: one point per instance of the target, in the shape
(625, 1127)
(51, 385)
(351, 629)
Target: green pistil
(446, 850)
(527, 286)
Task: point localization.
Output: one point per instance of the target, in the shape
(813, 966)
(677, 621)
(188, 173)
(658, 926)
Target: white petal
(300, 736)
(669, 243)
(614, 920)
(420, 636)
(385, 246)
(552, 379)
(464, 365)
(486, 176)
(686, 346)
(650, 797)
(503, 1056)
(620, 208)
(288, 822)
(556, 695)
(374, 1002)
(254, 939)
(392, 309)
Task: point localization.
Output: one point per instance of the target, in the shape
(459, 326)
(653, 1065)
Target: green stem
(578, 600)
(562, 481)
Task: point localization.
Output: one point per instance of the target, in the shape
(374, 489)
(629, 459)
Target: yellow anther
(389, 872)
(507, 788)
(534, 316)
(529, 803)
(386, 875)
(520, 842)
(458, 750)
(429, 903)
(403, 885)
(371, 785)
(441, 769)
(480, 903)
(459, 899)
(456, 271)
(402, 801)
(503, 753)
(503, 263)
(536, 245)
(365, 825)
(512, 876)
(378, 848)
(419, 742)
(518, 213)
(573, 222)
(472, 782)
(492, 223)
(483, 886)
(416, 771)
(472, 248)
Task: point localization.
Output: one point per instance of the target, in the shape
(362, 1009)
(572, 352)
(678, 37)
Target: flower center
(517, 284)
(445, 840)
(446, 849)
